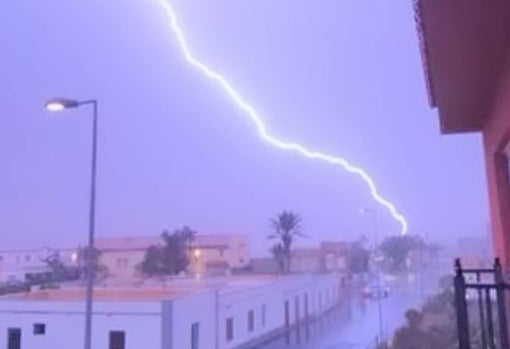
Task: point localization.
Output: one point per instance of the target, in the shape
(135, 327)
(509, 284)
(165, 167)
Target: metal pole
(92, 217)
(378, 271)
(500, 293)
(461, 307)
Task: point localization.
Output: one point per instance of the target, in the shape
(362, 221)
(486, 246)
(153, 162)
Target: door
(13, 338)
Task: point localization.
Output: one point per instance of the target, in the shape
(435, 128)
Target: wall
(65, 323)
(234, 249)
(496, 138)
(237, 304)
(122, 264)
(179, 314)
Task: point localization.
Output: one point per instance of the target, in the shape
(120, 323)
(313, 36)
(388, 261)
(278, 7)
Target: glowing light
(54, 106)
(250, 111)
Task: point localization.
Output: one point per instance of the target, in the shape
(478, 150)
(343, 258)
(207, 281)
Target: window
(306, 305)
(195, 330)
(230, 329)
(28, 258)
(287, 314)
(1, 258)
(117, 340)
(39, 329)
(122, 262)
(13, 338)
(251, 321)
(263, 315)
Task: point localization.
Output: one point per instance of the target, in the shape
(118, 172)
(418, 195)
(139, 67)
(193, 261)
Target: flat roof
(100, 294)
(149, 290)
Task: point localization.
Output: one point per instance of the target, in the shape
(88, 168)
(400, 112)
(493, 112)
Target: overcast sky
(344, 77)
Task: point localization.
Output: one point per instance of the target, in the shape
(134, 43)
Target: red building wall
(496, 138)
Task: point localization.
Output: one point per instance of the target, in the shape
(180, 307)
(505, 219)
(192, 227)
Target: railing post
(500, 292)
(461, 307)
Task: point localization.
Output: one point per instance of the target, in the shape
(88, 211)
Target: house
(121, 256)
(16, 263)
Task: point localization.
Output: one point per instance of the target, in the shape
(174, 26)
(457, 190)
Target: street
(355, 324)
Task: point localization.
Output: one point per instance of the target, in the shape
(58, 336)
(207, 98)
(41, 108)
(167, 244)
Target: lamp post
(59, 104)
(375, 232)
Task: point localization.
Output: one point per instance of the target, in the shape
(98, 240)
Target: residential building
(329, 256)
(230, 249)
(465, 49)
(121, 256)
(16, 263)
(217, 313)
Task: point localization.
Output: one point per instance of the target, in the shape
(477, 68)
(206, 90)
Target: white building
(196, 314)
(14, 264)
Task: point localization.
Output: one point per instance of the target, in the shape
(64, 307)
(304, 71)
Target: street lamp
(373, 214)
(59, 104)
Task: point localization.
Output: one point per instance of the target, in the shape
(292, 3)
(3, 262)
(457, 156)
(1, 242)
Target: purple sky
(344, 77)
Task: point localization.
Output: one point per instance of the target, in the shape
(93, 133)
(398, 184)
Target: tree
(358, 259)
(278, 255)
(100, 271)
(153, 263)
(286, 227)
(396, 249)
(170, 258)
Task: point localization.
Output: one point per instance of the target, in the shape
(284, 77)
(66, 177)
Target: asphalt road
(355, 325)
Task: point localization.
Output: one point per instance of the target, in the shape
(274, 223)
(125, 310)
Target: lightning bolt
(250, 111)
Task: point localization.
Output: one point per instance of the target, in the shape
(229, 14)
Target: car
(376, 291)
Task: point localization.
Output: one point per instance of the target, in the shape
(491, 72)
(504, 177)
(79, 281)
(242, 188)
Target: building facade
(121, 256)
(329, 256)
(15, 264)
(465, 48)
(233, 312)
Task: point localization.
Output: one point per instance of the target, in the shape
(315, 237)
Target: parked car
(376, 291)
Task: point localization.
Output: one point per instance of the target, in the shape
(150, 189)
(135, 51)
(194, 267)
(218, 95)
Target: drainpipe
(217, 318)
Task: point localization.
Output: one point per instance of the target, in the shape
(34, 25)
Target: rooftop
(148, 290)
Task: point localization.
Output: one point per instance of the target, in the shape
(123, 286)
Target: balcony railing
(481, 307)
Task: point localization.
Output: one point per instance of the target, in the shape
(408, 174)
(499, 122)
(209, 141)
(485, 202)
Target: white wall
(237, 304)
(65, 323)
(167, 324)
(181, 313)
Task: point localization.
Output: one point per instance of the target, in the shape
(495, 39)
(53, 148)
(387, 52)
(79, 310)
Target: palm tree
(286, 226)
(278, 255)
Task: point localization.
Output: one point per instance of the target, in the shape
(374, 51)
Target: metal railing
(481, 307)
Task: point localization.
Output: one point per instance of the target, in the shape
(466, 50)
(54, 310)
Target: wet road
(355, 325)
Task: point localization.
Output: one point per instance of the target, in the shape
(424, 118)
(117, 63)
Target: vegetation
(278, 255)
(170, 258)
(100, 271)
(396, 250)
(359, 257)
(432, 327)
(286, 226)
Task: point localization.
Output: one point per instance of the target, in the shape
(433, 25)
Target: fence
(481, 307)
